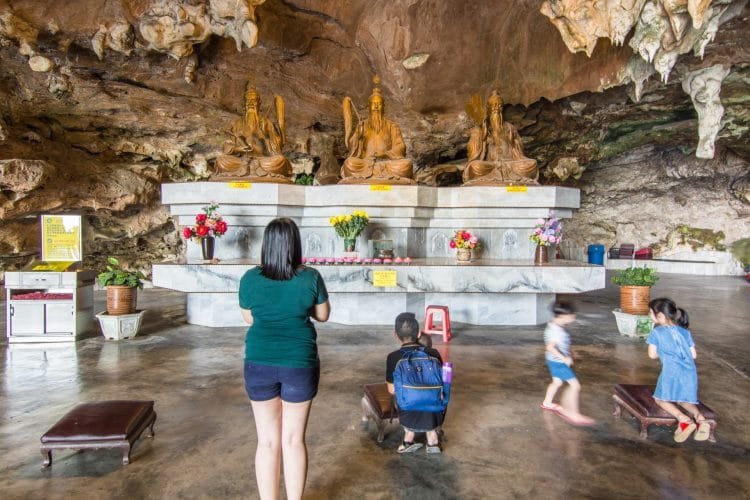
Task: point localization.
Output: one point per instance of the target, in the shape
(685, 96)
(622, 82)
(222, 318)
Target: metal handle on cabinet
(12, 310)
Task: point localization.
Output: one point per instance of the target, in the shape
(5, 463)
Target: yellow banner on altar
(61, 238)
(240, 185)
(385, 279)
(516, 189)
(380, 187)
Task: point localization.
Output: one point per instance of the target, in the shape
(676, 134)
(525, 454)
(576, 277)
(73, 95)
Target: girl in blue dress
(677, 389)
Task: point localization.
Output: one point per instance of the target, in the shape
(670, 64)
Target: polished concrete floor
(498, 443)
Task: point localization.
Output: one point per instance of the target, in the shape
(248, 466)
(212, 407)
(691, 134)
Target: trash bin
(596, 254)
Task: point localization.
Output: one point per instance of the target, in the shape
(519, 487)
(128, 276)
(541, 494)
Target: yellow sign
(516, 189)
(240, 185)
(384, 278)
(51, 266)
(61, 238)
(380, 187)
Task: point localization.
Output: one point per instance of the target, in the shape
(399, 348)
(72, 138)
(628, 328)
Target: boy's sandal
(683, 431)
(408, 447)
(703, 431)
(433, 448)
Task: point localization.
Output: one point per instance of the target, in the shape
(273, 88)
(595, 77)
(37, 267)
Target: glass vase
(207, 247)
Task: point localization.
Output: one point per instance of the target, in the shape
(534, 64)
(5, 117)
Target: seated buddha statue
(375, 146)
(495, 152)
(253, 151)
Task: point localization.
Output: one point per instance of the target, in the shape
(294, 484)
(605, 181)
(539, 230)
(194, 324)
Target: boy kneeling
(407, 332)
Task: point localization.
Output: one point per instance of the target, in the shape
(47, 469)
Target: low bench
(377, 404)
(103, 424)
(638, 401)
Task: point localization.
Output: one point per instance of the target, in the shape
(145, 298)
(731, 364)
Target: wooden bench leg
(617, 413)
(125, 454)
(644, 430)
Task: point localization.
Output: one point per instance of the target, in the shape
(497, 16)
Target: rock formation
(95, 107)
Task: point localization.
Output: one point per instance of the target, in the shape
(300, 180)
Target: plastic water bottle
(447, 372)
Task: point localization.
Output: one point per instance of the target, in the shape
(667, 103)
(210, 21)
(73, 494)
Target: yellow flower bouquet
(350, 226)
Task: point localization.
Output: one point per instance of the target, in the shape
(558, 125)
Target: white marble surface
(487, 292)
(672, 265)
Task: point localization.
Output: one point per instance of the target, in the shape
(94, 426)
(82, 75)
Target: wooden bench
(103, 424)
(638, 401)
(377, 404)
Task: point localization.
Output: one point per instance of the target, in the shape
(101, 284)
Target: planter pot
(121, 299)
(632, 325)
(120, 327)
(541, 255)
(634, 299)
(463, 255)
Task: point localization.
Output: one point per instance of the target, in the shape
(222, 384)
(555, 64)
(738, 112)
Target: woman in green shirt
(282, 368)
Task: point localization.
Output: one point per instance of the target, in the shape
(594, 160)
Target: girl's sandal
(408, 447)
(683, 431)
(703, 432)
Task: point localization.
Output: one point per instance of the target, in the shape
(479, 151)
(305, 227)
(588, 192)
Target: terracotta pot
(541, 255)
(121, 299)
(634, 299)
(463, 255)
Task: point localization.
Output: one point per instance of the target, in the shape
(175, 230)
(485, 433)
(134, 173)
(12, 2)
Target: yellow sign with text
(61, 238)
(516, 189)
(380, 187)
(384, 278)
(240, 185)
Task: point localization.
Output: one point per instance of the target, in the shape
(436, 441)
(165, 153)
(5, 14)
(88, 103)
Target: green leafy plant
(636, 276)
(304, 179)
(117, 276)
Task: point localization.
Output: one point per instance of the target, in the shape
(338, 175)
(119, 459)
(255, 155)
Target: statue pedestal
(501, 287)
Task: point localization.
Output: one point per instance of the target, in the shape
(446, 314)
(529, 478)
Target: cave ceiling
(103, 100)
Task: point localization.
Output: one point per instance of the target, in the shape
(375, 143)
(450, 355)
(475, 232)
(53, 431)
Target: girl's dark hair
(561, 307)
(281, 253)
(669, 309)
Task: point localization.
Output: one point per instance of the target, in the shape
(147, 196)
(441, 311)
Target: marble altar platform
(485, 292)
(501, 287)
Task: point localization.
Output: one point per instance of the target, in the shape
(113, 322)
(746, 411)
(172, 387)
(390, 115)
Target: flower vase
(350, 244)
(541, 255)
(207, 247)
(463, 255)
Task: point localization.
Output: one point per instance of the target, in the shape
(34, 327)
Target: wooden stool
(638, 401)
(445, 324)
(377, 404)
(103, 424)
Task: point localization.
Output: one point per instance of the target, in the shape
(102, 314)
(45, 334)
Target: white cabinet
(49, 306)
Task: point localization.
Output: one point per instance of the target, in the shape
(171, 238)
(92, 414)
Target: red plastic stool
(444, 328)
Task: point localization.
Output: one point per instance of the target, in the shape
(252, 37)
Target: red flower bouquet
(208, 223)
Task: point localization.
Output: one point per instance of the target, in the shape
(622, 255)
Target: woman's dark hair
(669, 309)
(561, 307)
(281, 253)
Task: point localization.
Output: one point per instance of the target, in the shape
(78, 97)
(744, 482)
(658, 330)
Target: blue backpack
(418, 383)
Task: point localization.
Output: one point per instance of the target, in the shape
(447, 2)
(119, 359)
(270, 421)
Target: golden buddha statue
(495, 150)
(375, 147)
(254, 150)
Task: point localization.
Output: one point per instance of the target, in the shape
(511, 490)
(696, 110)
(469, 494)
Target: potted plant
(635, 288)
(122, 287)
